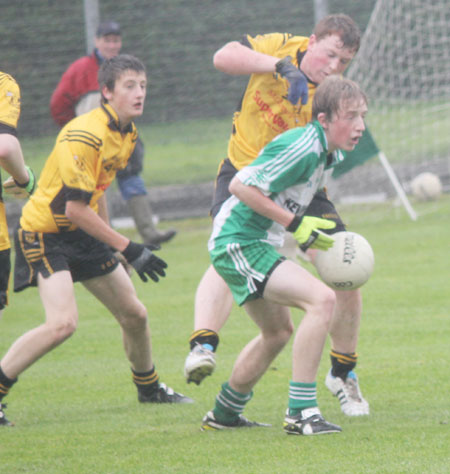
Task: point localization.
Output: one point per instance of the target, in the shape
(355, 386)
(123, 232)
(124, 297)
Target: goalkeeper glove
(144, 261)
(306, 232)
(298, 84)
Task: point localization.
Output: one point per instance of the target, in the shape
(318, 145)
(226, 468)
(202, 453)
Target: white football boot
(200, 363)
(348, 393)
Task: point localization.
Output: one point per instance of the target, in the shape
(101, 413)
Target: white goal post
(404, 67)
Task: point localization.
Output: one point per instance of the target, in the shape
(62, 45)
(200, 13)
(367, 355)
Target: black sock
(146, 382)
(204, 336)
(342, 364)
(5, 384)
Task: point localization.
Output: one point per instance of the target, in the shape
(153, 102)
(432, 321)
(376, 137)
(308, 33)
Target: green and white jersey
(289, 170)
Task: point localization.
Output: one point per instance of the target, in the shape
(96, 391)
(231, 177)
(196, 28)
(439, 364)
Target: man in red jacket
(79, 84)
(77, 93)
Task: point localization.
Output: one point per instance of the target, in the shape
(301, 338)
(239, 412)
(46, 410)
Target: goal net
(404, 67)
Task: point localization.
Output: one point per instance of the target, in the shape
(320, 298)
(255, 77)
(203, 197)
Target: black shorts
(46, 253)
(5, 270)
(320, 206)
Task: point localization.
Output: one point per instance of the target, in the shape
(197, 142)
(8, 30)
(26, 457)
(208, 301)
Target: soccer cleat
(209, 422)
(308, 422)
(164, 394)
(3, 420)
(348, 393)
(200, 363)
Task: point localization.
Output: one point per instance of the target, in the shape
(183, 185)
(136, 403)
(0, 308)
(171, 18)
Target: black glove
(144, 261)
(298, 84)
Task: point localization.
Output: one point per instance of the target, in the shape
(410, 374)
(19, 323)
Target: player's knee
(325, 305)
(63, 329)
(134, 317)
(279, 337)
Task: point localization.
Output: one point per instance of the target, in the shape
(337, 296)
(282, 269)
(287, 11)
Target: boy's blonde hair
(333, 94)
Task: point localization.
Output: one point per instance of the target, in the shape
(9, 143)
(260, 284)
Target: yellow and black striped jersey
(88, 152)
(9, 117)
(264, 111)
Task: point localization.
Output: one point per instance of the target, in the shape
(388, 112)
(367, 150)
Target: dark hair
(111, 69)
(342, 26)
(333, 94)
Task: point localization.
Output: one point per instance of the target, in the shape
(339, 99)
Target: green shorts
(246, 267)
(46, 253)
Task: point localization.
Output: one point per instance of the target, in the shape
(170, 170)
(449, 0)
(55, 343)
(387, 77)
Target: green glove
(306, 232)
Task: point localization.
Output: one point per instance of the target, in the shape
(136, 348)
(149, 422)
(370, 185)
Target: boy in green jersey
(269, 196)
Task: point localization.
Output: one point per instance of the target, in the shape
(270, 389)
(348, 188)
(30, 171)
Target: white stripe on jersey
(291, 154)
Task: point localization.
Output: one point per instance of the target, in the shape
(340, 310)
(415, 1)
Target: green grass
(76, 410)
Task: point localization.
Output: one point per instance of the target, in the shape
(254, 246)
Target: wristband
(132, 251)
(293, 226)
(29, 185)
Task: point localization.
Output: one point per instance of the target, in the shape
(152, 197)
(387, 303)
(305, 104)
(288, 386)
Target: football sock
(205, 337)
(146, 382)
(301, 396)
(5, 384)
(230, 404)
(342, 364)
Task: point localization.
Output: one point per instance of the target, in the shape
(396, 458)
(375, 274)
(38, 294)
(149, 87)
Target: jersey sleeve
(9, 103)
(268, 43)
(283, 163)
(79, 160)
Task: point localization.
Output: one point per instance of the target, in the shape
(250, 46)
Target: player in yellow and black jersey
(64, 235)
(88, 152)
(21, 181)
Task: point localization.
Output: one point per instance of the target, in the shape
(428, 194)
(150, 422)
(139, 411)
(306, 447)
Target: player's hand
(306, 231)
(298, 84)
(144, 261)
(123, 261)
(18, 190)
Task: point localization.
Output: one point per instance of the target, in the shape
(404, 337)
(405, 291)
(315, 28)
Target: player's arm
(82, 215)
(143, 260)
(22, 180)
(235, 58)
(256, 200)
(103, 209)
(305, 229)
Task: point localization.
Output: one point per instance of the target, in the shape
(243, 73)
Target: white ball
(426, 186)
(348, 264)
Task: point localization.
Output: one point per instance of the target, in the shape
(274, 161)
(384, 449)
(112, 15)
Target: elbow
(73, 210)
(223, 58)
(218, 60)
(69, 211)
(234, 187)
(9, 147)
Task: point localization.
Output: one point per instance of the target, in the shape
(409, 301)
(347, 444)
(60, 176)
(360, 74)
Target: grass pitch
(76, 409)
